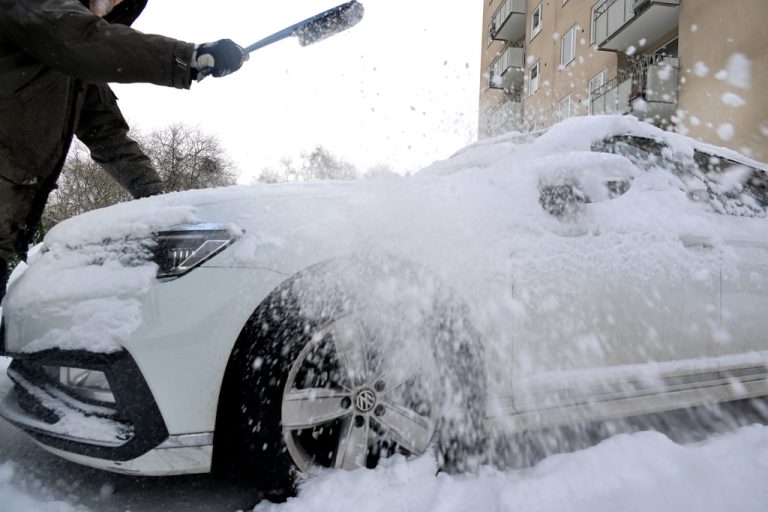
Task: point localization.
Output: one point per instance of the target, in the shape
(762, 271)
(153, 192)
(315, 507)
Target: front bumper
(127, 435)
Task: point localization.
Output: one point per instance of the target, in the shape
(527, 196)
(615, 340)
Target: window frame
(536, 29)
(537, 67)
(604, 74)
(597, 4)
(572, 32)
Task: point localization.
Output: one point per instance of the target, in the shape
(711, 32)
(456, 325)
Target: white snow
(725, 131)
(15, 499)
(732, 100)
(639, 472)
(463, 217)
(739, 69)
(700, 69)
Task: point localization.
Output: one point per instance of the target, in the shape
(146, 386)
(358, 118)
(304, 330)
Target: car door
(614, 337)
(738, 193)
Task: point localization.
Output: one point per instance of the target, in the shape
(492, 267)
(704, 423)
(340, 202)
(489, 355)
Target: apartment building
(695, 66)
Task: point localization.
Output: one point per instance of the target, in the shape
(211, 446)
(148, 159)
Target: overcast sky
(400, 88)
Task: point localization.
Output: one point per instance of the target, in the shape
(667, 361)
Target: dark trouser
(20, 212)
(21, 207)
(3, 277)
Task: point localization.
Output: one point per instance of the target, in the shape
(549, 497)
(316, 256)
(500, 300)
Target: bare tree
(184, 157)
(82, 186)
(318, 164)
(188, 159)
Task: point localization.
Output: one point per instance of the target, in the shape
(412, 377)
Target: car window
(729, 187)
(641, 151)
(726, 186)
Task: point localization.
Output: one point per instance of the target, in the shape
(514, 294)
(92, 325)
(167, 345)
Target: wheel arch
(267, 324)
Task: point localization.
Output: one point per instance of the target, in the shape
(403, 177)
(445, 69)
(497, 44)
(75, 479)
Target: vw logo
(365, 400)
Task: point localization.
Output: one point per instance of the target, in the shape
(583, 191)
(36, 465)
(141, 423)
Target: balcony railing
(506, 117)
(508, 22)
(647, 88)
(619, 24)
(507, 71)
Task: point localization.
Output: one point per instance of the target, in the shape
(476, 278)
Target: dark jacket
(56, 57)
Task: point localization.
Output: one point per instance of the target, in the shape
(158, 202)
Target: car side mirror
(568, 183)
(562, 199)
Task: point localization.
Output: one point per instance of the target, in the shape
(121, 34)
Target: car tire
(347, 363)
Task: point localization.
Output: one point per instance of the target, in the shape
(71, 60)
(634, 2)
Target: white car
(604, 269)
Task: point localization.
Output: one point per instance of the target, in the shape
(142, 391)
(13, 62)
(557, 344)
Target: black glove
(218, 59)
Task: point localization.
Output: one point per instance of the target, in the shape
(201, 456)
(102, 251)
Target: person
(56, 57)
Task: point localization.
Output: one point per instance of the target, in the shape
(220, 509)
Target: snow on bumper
(120, 430)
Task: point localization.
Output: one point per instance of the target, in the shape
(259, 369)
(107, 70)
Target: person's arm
(103, 129)
(68, 37)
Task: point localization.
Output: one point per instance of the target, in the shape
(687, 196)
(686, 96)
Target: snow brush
(318, 27)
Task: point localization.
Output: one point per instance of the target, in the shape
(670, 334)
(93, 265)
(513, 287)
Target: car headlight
(184, 248)
(87, 384)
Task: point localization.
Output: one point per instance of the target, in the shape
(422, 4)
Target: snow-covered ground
(643, 472)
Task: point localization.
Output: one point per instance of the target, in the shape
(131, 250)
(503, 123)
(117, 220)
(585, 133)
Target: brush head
(331, 22)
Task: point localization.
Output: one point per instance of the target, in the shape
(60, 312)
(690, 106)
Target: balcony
(508, 22)
(506, 117)
(619, 24)
(647, 89)
(508, 70)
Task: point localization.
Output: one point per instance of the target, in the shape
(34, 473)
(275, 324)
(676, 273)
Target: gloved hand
(218, 59)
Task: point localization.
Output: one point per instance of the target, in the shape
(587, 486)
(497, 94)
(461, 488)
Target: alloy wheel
(353, 398)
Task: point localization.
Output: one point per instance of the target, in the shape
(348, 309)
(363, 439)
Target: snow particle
(764, 129)
(725, 131)
(739, 69)
(700, 69)
(631, 50)
(642, 42)
(695, 121)
(107, 490)
(732, 100)
(639, 105)
(721, 75)
(694, 28)
(664, 72)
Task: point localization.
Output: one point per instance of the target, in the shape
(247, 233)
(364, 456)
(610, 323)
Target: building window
(564, 108)
(533, 78)
(595, 7)
(536, 21)
(595, 83)
(568, 47)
